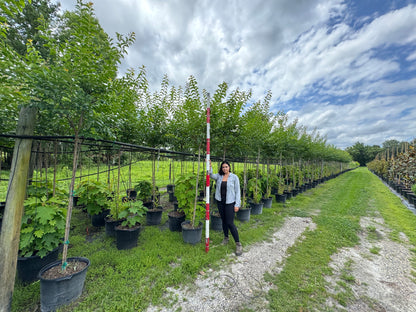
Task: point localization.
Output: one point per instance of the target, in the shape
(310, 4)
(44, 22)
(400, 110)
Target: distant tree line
(363, 154)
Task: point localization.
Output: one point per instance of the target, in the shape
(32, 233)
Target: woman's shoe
(238, 249)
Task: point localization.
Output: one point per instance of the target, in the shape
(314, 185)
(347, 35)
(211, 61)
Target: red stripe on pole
(208, 180)
(208, 114)
(208, 145)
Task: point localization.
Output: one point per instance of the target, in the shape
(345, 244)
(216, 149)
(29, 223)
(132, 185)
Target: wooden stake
(12, 219)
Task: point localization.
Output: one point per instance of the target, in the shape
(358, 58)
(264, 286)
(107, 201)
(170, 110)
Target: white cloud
(334, 74)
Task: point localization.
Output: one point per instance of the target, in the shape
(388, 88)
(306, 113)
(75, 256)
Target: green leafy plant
(144, 191)
(266, 187)
(414, 188)
(117, 205)
(43, 226)
(45, 188)
(254, 190)
(132, 211)
(185, 194)
(94, 195)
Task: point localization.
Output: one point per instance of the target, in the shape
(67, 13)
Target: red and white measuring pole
(207, 194)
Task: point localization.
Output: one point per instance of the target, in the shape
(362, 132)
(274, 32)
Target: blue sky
(344, 68)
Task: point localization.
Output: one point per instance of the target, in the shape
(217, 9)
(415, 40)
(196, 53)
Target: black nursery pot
(256, 209)
(127, 238)
(98, 219)
(154, 216)
(175, 221)
(243, 214)
(191, 235)
(63, 290)
(28, 267)
(281, 198)
(216, 222)
(110, 226)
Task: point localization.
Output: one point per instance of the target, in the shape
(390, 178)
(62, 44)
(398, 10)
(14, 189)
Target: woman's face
(225, 168)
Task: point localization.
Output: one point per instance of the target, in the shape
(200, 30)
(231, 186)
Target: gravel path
(241, 283)
(381, 269)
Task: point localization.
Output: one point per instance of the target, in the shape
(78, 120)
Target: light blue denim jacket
(233, 188)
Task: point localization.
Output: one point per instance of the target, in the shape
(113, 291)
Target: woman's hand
(236, 209)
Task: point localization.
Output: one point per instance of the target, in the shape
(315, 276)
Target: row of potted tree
(399, 171)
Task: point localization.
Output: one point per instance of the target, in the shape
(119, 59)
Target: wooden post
(16, 192)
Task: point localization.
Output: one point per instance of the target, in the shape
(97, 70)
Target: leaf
(45, 213)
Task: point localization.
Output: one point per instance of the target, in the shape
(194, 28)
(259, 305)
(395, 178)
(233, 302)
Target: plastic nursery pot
(28, 267)
(98, 219)
(281, 198)
(243, 214)
(127, 238)
(175, 220)
(154, 216)
(62, 290)
(191, 235)
(216, 222)
(267, 202)
(256, 209)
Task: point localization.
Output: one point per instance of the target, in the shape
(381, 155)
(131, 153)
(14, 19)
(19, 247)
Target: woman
(227, 194)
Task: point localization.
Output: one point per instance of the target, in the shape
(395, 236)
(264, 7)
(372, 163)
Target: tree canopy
(67, 66)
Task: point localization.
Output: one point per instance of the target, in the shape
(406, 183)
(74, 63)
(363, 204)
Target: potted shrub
(243, 214)
(144, 192)
(216, 221)
(42, 231)
(112, 219)
(127, 233)
(255, 193)
(186, 191)
(154, 214)
(267, 191)
(95, 195)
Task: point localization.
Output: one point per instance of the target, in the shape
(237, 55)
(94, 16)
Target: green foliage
(414, 188)
(94, 195)
(43, 226)
(45, 188)
(363, 153)
(403, 167)
(132, 211)
(185, 192)
(144, 190)
(254, 190)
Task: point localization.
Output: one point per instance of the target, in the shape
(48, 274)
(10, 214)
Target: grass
(130, 280)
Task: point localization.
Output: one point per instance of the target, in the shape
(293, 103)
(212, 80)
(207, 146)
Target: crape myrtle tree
(226, 121)
(154, 115)
(188, 124)
(81, 68)
(258, 124)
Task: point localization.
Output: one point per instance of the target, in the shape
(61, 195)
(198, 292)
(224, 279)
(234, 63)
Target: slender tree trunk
(16, 192)
(196, 188)
(71, 201)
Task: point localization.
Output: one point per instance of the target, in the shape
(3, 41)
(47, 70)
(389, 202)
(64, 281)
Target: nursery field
(135, 279)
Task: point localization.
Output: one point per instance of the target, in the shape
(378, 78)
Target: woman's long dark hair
(220, 172)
